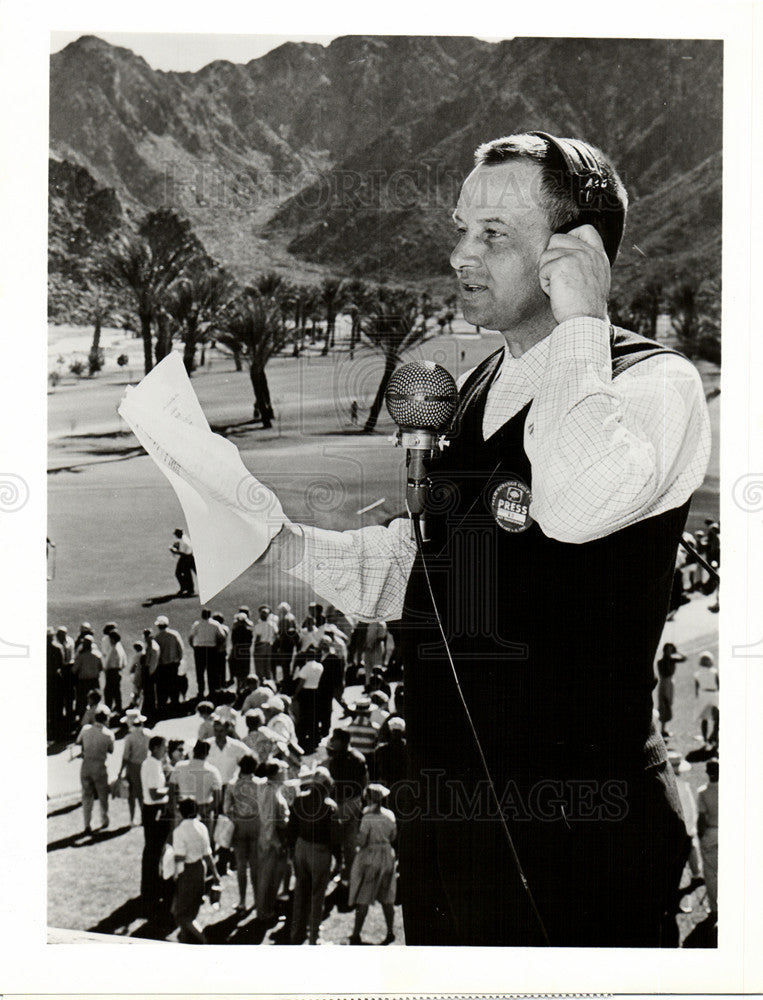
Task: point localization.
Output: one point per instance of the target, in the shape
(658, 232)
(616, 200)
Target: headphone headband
(590, 190)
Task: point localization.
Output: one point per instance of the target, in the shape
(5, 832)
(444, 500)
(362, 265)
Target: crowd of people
(268, 790)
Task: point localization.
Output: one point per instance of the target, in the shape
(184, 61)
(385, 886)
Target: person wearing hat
(193, 853)
(373, 877)
(171, 653)
(134, 753)
(707, 830)
(241, 637)
(313, 826)
(200, 780)
(349, 772)
(666, 668)
(186, 565)
(265, 632)
(364, 734)
(706, 694)
(388, 763)
(86, 668)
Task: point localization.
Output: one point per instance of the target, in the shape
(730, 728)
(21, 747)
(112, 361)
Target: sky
(189, 52)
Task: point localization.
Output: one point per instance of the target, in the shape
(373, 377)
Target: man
(199, 780)
(86, 669)
(54, 681)
(595, 440)
(349, 773)
(149, 664)
(155, 828)
(114, 661)
(97, 743)
(65, 641)
(170, 654)
(204, 638)
(225, 752)
(265, 632)
(186, 565)
(707, 830)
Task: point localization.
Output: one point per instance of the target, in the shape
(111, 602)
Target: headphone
(591, 191)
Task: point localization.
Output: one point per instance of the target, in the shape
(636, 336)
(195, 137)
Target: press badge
(510, 505)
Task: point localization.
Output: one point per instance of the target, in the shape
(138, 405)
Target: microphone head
(421, 395)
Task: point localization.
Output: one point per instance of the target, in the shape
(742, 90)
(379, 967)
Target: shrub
(54, 378)
(122, 360)
(77, 367)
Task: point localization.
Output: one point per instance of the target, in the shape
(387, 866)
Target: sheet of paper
(231, 516)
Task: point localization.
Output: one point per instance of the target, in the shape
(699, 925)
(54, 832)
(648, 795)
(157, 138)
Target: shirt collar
(528, 369)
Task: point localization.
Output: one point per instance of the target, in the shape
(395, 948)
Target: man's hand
(574, 272)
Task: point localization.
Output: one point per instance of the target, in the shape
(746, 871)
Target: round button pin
(510, 505)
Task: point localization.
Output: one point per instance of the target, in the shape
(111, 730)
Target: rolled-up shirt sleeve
(606, 452)
(364, 572)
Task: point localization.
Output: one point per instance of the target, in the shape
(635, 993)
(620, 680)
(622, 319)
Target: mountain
(347, 158)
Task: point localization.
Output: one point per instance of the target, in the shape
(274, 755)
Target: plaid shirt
(605, 454)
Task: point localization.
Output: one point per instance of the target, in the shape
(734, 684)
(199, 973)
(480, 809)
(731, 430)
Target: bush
(77, 367)
(122, 360)
(54, 378)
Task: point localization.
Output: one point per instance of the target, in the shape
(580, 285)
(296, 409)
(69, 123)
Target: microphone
(421, 398)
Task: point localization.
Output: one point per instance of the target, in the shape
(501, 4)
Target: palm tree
(358, 297)
(684, 316)
(393, 327)
(330, 296)
(194, 302)
(645, 307)
(253, 325)
(148, 263)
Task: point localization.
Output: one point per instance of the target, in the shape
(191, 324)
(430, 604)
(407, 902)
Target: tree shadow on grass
(82, 839)
(119, 920)
(63, 810)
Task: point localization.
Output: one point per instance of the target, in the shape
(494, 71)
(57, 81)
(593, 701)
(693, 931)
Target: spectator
(330, 685)
(706, 694)
(374, 649)
(242, 634)
(349, 773)
(97, 743)
(108, 628)
(136, 674)
(241, 806)
(312, 826)
(373, 876)
(285, 642)
(707, 830)
(379, 709)
(170, 654)
(271, 847)
(87, 670)
(363, 733)
(204, 638)
(206, 727)
(258, 696)
(114, 662)
(155, 829)
(149, 667)
(92, 707)
(225, 752)
(199, 780)
(221, 652)
(85, 632)
(66, 643)
(134, 753)
(193, 851)
(681, 766)
(666, 668)
(54, 687)
(265, 631)
(306, 697)
(388, 765)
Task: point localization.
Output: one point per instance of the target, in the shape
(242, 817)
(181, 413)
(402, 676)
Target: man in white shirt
(225, 752)
(155, 828)
(97, 743)
(205, 637)
(265, 632)
(186, 565)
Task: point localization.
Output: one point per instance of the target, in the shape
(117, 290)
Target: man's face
(502, 231)
(219, 727)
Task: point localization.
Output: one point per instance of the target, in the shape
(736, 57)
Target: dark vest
(554, 643)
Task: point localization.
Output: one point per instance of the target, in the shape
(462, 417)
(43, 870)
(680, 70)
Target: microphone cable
(416, 519)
